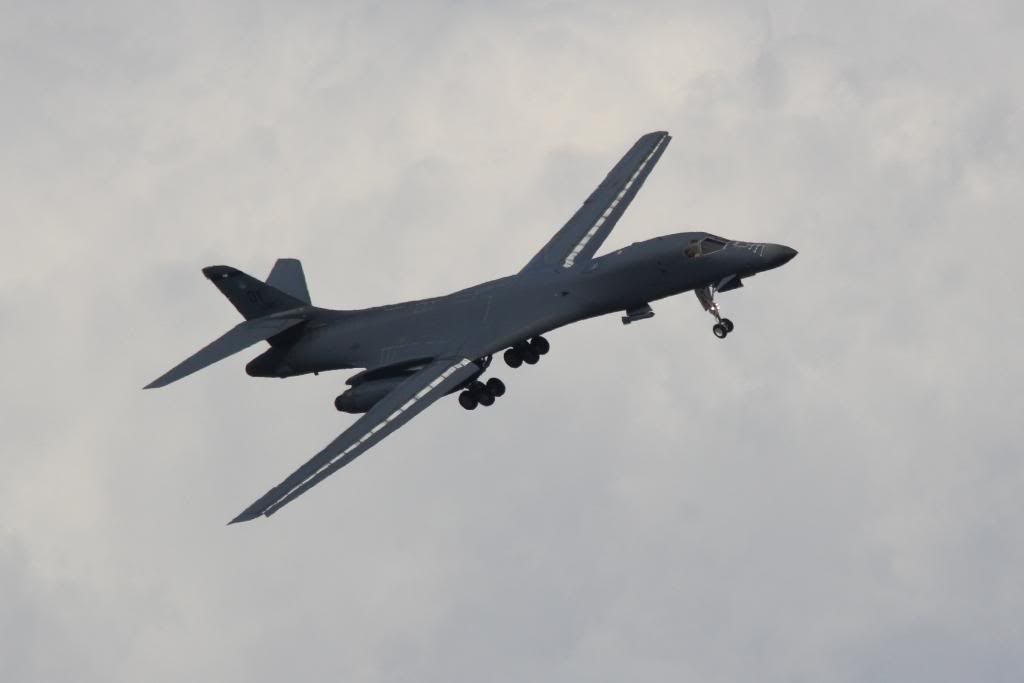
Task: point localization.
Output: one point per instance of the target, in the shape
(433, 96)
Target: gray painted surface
(832, 494)
(450, 340)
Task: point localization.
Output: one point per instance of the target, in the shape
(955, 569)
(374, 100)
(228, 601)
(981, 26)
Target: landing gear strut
(706, 297)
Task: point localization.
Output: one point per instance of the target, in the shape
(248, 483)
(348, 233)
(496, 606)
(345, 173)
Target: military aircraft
(413, 353)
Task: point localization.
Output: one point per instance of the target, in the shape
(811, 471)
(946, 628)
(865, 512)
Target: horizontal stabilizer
(239, 337)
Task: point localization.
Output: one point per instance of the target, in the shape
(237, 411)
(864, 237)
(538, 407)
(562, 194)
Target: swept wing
(394, 410)
(581, 237)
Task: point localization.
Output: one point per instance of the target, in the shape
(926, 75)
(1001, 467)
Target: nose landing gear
(706, 297)
(723, 328)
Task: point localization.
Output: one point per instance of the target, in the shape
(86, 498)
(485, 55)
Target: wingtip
(655, 137)
(239, 519)
(246, 516)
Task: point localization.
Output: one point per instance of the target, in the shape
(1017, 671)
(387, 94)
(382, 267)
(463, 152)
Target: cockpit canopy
(705, 246)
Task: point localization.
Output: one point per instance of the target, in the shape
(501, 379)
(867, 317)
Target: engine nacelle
(366, 395)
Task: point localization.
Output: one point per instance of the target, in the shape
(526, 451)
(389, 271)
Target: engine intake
(366, 395)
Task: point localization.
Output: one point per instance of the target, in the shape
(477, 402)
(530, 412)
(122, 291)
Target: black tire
(540, 345)
(496, 387)
(530, 357)
(467, 400)
(513, 358)
(481, 393)
(727, 324)
(720, 331)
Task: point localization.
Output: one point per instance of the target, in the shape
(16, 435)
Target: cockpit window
(708, 245)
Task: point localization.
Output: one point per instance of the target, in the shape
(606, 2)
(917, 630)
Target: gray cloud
(830, 495)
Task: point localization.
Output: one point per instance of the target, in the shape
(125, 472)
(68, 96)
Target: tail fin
(287, 276)
(258, 303)
(252, 298)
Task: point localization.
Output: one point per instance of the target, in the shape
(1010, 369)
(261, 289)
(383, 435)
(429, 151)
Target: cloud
(830, 494)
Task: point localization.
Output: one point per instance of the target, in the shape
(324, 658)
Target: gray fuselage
(509, 310)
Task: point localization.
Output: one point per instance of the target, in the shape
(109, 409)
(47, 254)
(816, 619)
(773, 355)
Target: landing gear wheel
(540, 345)
(496, 387)
(706, 297)
(481, 393)
(467, 400)
(530, 357)
(513, 358)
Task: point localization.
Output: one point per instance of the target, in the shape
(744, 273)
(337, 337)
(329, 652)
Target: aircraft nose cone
(785, 254)
(779, 254)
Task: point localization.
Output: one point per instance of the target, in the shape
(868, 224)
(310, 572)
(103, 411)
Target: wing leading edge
(581, 237)
(403, 403)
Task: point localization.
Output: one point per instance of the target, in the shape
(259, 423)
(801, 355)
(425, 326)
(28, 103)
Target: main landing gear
(484, 393)
(706, 297)
(481, 393)
(527, 352)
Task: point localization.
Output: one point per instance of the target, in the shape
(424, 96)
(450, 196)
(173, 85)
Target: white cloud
(830, 494)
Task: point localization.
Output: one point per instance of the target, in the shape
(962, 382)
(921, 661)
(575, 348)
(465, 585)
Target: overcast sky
(833, 493)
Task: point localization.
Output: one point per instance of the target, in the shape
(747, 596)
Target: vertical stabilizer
(252, 298)
(287, 276)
